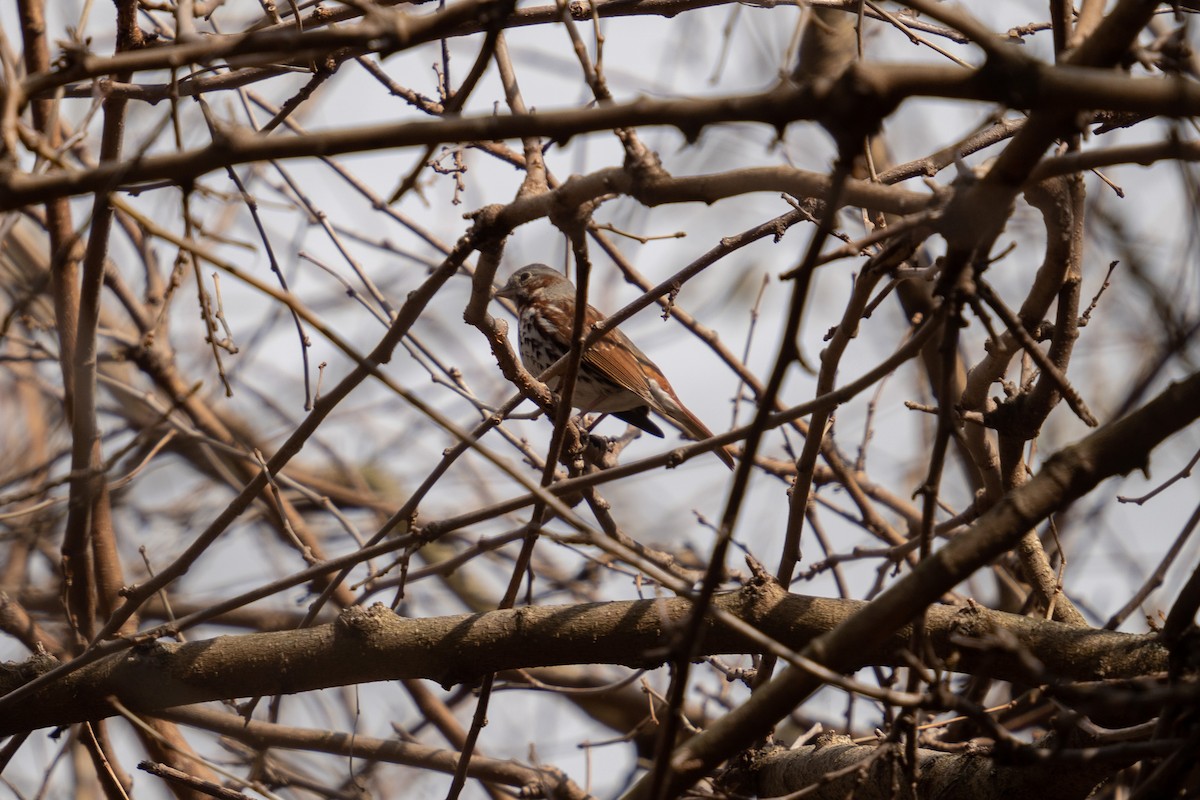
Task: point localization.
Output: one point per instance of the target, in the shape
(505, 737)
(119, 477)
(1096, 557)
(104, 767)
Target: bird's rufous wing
(618, 358)
(621, 360)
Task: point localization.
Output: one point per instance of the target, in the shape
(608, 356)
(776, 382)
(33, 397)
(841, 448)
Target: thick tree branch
(1113, 450)
(376, 645)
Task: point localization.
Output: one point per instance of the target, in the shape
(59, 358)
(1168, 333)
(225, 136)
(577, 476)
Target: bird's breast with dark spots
(540, 349)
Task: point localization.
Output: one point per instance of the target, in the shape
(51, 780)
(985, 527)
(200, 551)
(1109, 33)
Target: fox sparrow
(615, 377)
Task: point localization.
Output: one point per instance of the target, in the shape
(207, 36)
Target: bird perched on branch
(615, 377)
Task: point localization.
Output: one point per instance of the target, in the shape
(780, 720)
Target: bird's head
(536, 281)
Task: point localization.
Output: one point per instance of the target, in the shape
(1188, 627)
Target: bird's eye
(524, 276)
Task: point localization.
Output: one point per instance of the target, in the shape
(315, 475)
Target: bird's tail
(665, 402)
(698, 430)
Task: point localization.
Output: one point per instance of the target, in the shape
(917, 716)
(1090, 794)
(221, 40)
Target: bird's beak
(506, 292)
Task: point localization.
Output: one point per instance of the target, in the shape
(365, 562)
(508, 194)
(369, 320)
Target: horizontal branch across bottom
(366, 645)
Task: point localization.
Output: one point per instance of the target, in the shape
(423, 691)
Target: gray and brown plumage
(615, 377)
